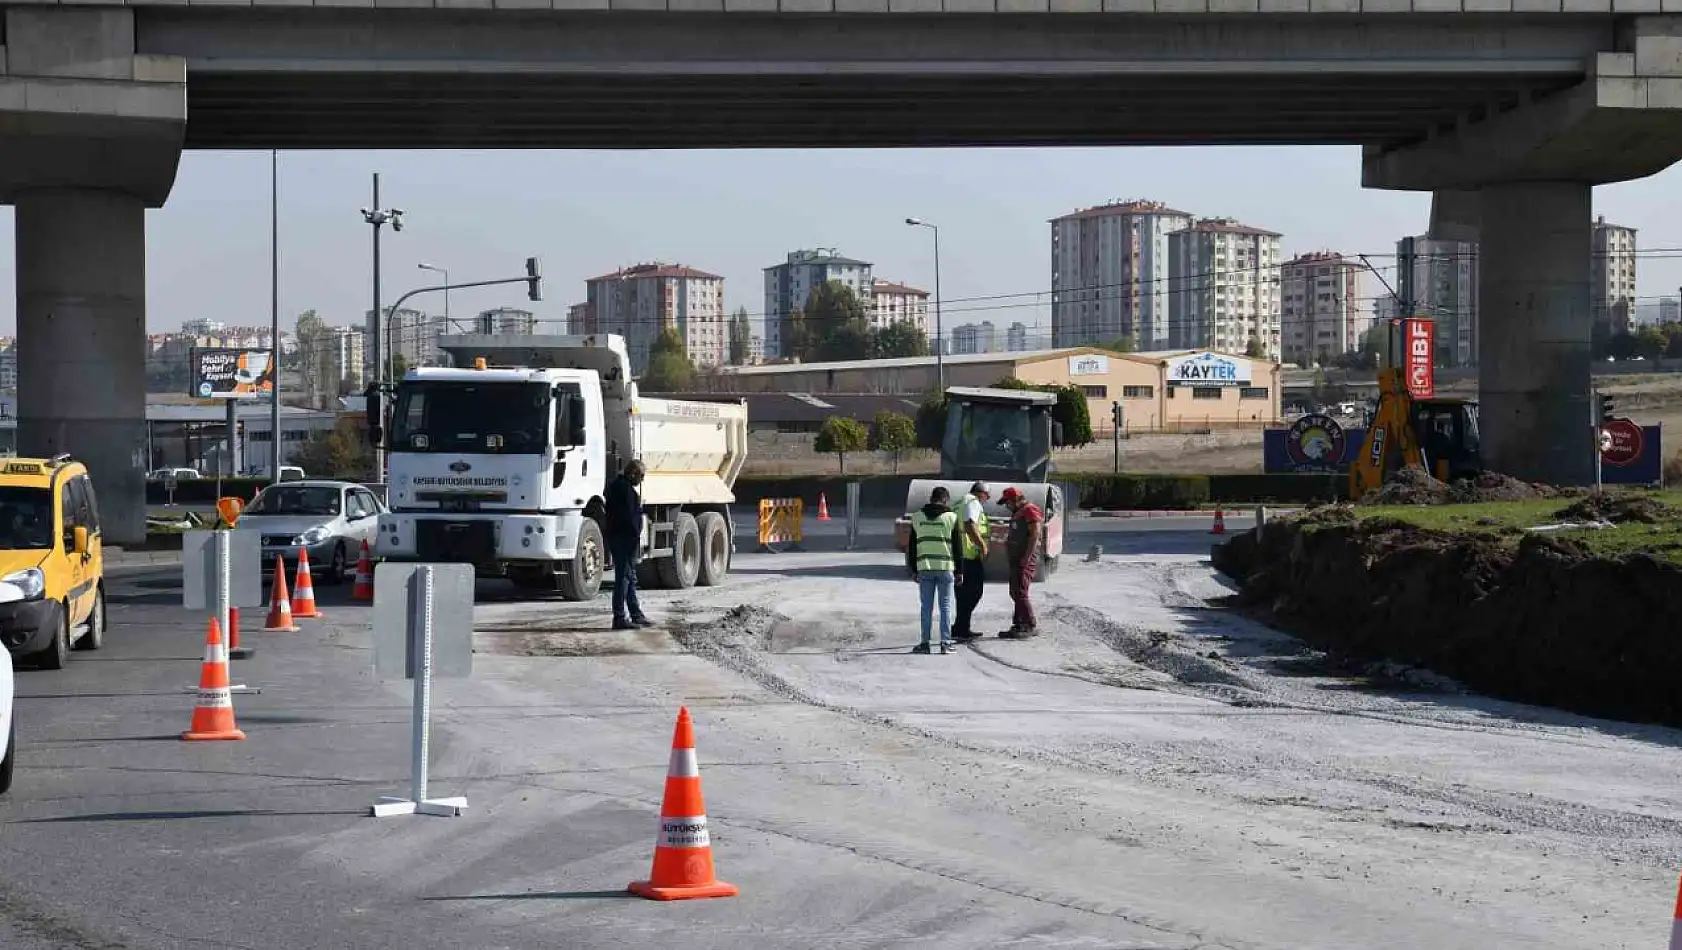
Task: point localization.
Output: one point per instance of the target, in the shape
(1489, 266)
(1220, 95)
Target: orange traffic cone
(1220, 522)
(364, 589)
(280, 603)
(213, 717)
(823, 507)
(303, 592)
(683, 854)
(1676, 923)
(235, 651)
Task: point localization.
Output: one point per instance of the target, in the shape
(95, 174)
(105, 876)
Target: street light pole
(939, 330)
(274, 313)
(377, 217)
(446, 272)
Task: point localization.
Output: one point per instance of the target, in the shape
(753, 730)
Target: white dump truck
(505, 467)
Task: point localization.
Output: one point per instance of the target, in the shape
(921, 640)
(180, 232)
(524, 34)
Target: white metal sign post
(423, 626)
(221, 570)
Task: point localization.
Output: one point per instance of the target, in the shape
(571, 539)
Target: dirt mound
(1619, 509)
(1408, 486)
(1493, 486)
(1546, 623)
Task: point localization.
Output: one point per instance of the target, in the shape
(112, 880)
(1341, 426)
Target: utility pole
(939, 331)
(377, 217)
(1115, 413)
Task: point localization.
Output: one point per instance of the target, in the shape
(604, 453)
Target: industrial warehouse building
(1178, 391)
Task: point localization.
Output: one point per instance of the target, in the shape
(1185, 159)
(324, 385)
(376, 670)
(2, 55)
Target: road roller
(1002, 437)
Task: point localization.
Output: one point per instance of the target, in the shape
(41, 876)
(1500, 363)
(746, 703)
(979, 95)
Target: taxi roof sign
(25, 468)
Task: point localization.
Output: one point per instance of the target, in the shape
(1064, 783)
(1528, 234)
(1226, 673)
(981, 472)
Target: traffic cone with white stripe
(280, 603)
(303, 592)
(213, 716)
(823, 507)
(1220, 522)
(364, 589)
(1676, 923)
(683, 854)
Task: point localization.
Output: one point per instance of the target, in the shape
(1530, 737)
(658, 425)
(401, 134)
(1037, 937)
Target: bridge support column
(1534, 322)
(90, 137)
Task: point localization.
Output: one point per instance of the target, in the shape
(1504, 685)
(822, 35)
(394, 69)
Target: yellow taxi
(52, 575)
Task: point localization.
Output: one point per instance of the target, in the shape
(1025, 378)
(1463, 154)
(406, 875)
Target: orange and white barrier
(213, 715)
(303, 592)
(364, 589)
(280, 603)
(683, 854)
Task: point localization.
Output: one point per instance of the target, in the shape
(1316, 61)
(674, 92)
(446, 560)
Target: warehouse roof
(957, 359)
(774, 408)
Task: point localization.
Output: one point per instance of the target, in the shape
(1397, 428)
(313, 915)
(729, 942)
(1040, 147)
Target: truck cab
(506, 467)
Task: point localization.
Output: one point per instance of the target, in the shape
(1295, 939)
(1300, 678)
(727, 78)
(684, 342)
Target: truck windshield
(497, 418)
(26, 519)
(1004, 438)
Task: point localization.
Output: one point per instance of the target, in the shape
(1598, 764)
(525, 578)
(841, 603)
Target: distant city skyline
(735, 213)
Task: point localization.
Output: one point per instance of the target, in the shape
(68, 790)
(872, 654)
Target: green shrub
(1124, 491)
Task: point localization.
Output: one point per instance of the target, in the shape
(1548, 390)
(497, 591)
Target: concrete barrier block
(1658, 55)
(1487, 6)
(1024, 6)
(3, 72)
(1077, 6)
(260, 3)
(1585, 6)
(403, 4)
(1437, 6)
(333, 3)
(1620, 93)
(1386, 6)
(695, 6)
(1234, 6)
(1670, 6)
(1637, 6)
(152, 67)
(750, 6)
(1129, 6)
(1664, 92)
(470, 5)
(1614, 64)
(658, 6)
(578, 4)
(1334, 6)
(906, 6)
(861, 6)
(970, 6)
(1182, 6)
(1536, 6)
(1285, 6)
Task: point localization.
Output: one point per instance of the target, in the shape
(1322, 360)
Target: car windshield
(999, 437)
(471, 417)
(26, 519)
(320, 500)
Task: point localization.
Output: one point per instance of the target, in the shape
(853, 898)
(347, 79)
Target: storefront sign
(1090, 365)
(1421, 378)
(1208, 369)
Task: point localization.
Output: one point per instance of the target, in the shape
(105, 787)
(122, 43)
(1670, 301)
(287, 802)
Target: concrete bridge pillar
(90, 137)
(1534, 321)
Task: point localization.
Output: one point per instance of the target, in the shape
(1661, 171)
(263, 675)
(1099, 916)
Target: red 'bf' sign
(1421, 379)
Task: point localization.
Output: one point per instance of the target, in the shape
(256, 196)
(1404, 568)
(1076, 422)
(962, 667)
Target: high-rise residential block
(639, 302)
(1323, 312)
(1110, 269)
(789, 284)
(1612, 270)
(1225, 288)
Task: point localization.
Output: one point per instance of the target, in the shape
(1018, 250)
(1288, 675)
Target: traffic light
(1607, 406)
(239, 427)
(1115, 414)
(534, 280)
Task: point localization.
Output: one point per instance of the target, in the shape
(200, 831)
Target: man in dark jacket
(1023, 553)
(624, 538)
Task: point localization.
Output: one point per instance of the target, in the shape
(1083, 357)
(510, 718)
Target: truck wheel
(95, 637)
(715, 549)
(57, 653)
(583, 577)
(678, 572)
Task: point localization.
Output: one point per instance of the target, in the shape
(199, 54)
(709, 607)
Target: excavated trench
(1544, 623)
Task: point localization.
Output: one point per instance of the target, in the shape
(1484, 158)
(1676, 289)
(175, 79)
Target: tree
(1650, 342)
(1254, 349)
(895, 432)
(841, 435)
(740, 336)
(1673, 333)
(399, 366)
(669, 368)
(832, 326)
(931, 420)
(1071, 412)
(339, 452)
(1122, 344)
(900, 338)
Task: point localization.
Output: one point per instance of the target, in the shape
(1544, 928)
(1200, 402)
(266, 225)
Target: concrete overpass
(1508, 110)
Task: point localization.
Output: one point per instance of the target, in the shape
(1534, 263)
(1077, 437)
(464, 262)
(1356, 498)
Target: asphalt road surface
(1150, 773)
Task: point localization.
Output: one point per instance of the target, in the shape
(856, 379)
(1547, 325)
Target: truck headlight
(31, 581)
(315, 535)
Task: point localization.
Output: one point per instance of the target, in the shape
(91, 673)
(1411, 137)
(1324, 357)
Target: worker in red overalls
(1022, 549)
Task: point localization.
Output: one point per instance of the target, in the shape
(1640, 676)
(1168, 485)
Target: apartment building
(1612, 275)
(505, 320)
(975, 338)
(581, 319)
(1016, 337)
(1110, 270)
(789, 284)
(408, 334)
(893, 302)
(1225, 289)
(1441, 280)
(341, 355)
(1323, 311)
(639, 302)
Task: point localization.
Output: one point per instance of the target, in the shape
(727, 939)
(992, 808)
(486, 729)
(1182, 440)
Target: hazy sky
(733, 213)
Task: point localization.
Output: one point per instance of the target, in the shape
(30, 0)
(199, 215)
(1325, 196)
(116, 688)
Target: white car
(329, 519)
(8, 731)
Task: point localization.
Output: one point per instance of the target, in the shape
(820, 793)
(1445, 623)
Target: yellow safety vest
(934, 541)
(971, 552)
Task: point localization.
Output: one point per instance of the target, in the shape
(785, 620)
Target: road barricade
(781, 524)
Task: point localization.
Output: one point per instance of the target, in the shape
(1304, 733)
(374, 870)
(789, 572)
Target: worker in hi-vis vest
(932, 529)
(972, 554)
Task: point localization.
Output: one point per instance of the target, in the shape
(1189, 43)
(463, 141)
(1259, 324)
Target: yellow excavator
(1437, 435)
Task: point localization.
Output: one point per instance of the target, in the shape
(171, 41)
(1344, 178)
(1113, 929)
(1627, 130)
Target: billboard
(231, 373)
(1208, 369)
(1635, 457)
(1418, 365)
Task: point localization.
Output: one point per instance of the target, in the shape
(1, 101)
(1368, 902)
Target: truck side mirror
(577, 430)
(80, 543)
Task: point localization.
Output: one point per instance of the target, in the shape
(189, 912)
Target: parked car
(329, 519)
(52, 568)
(178, 473)
(8, 729)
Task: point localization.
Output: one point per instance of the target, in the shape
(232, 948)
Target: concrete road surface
(1150, 773)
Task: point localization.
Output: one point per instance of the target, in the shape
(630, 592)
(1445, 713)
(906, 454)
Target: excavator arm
(1391, 442)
